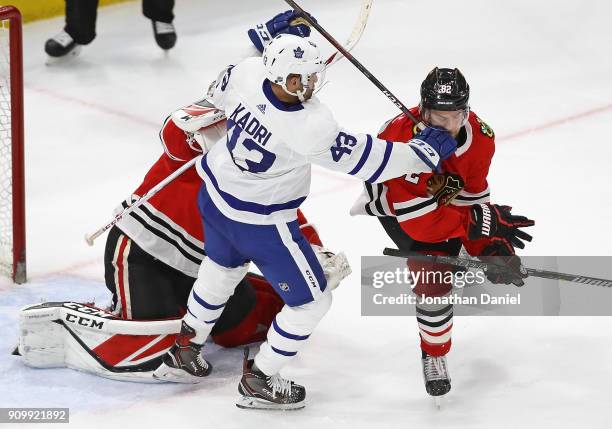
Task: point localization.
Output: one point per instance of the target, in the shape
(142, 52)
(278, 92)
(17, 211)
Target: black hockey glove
(505, 267)
(499, 224)
(445, 187)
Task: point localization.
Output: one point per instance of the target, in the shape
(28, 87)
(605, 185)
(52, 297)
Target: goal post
(12, 181)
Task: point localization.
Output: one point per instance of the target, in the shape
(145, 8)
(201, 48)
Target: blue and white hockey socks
(289, 332)
(213, 287)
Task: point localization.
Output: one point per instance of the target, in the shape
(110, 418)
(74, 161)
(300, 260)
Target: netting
(6, 185)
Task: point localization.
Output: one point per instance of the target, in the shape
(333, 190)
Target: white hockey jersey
(260, 172)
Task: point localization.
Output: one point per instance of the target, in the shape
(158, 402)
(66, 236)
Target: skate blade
(174, 375)
(438, 401)
(66, 58)
(250, 403)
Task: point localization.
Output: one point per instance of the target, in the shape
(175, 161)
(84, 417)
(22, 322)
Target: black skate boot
(62, 45)
(183, 363)
(435, 374)
(263, 392)
(165, 35)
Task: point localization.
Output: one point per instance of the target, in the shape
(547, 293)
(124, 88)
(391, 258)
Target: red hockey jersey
(407, 198)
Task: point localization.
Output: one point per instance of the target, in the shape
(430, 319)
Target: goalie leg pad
(85, 338)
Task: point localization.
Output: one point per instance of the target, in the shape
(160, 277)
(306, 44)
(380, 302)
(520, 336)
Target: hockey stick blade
(473, 263)
(359, 27)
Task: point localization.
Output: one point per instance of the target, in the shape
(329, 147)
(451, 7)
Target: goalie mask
(289, 55)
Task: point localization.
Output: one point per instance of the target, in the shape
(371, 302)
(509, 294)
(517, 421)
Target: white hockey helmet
(288, 54)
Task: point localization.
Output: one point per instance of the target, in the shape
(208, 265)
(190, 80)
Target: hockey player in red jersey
(438, 213)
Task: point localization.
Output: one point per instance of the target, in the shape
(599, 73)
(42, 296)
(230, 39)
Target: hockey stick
(356, 63)
(358, 29)
(473, 263)
(89, 238)
(362, 20)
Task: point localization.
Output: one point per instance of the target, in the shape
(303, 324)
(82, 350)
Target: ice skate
(183, 363)
(435, 374)
(263, 392)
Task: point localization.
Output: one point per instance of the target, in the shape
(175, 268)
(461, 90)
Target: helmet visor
(450, 120)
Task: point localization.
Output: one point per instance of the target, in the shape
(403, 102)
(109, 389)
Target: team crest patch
(283, 286)
(298, 52)
(485, 129)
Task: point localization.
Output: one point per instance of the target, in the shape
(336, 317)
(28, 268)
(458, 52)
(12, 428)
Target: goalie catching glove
(335, 266)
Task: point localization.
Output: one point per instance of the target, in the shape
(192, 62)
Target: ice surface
(540, 76)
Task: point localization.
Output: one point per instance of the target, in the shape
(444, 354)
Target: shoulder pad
(384, 127)
(394, 127)
(200, 114)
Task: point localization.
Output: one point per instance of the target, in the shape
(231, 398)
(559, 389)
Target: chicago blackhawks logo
(485, 129)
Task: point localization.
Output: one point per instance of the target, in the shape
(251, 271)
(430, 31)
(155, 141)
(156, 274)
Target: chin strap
(298, 94)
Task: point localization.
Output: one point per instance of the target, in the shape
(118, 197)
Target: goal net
(12, 206)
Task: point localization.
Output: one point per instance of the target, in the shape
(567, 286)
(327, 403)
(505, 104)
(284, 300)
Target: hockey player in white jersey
(253, 184)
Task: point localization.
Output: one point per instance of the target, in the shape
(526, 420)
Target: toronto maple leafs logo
(299, 52)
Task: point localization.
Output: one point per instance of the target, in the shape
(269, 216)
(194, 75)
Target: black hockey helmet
(445, 89)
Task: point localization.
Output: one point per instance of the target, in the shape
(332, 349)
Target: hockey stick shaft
(89, 238)
(353, 60)
(472, 263)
